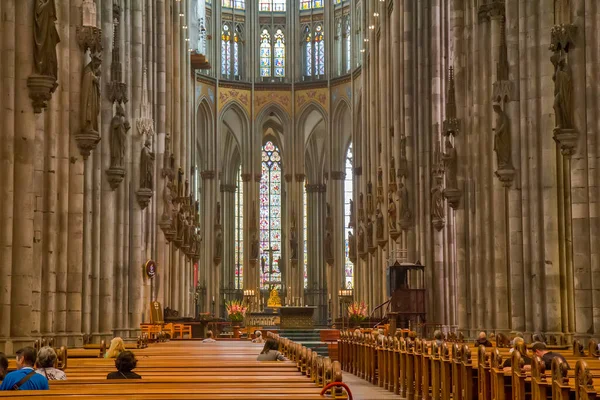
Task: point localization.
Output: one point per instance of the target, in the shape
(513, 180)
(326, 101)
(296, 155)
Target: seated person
(46, 360)
(270, 352)
(117, 346)
(483, 340)
(540, 350)
(25, 378)
(507, 364)
(439, 339)
(258, 337)
(125, 364)
(209, 338)
(3, 366)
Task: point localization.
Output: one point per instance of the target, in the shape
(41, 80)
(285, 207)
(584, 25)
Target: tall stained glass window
(319, 51)
(270, 217)
(305, 225)
(239, 232)
(279, 53)
(347, 42)
(309, 4)
(265, 53)
(349, 267)
(308, 58)
(225, 50)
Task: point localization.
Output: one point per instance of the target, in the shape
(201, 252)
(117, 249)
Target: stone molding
(338, 175)
(316, 188)
(228, 188)
(208, 174)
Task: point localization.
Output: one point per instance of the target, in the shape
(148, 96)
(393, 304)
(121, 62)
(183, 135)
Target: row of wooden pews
(421, 369)
(194, 370)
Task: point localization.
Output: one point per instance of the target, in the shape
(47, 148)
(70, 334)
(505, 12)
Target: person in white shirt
(209, 338)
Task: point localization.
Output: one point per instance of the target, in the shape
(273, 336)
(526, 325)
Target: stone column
(24, 124)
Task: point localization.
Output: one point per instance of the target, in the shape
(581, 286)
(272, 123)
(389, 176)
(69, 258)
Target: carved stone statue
(379, 184)
(187, 231)
(351, 245)
(119, 126)
(451, 160)
(392, 212)
(437, 201)
(167, 199)
(294, 244)
(502, 140)
(254, 246)
(90, 95)
(219, 243)
(403, 162)
(563, 91)
(361, 207)
(370, 242)
(45, 38)
(361, 239)
(351, 223)
(328, 246)
(147, 167)
(180, 224)
(379, 224)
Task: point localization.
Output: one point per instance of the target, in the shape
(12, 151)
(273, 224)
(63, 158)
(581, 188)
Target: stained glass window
(265, 54)
(308, 54)
(271, 5)
(305, 224)
(308, 4)
(279, 50)
(348, 267)
(239, 232)
(319, 51)
(347, 41)
(225, 50)
(270, 217)
(236, 55)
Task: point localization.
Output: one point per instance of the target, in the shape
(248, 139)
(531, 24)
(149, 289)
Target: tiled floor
(363, 390)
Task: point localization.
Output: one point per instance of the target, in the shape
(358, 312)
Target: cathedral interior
(191, 152)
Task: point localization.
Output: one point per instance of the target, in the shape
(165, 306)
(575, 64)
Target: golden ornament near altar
(274, 300)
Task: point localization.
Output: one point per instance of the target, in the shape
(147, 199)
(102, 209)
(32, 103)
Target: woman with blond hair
(117, 346)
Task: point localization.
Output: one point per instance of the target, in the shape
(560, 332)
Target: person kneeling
(125, 364)
(270, 352)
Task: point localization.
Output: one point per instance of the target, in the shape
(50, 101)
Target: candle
(329, 296)
(213, 299)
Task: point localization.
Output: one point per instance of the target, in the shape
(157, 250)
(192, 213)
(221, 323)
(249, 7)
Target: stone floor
(363, 390)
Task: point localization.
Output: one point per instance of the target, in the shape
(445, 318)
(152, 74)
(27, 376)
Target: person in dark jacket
(270, 352)
(483, 340)
(125, 364)
(540, 350)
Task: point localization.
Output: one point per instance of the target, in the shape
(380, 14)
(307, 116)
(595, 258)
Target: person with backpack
(25, 377)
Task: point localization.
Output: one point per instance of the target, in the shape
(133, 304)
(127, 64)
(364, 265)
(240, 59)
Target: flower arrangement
(236, 311)
(357, 312)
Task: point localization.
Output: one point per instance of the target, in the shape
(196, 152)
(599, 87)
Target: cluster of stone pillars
(511, 247)
(73, 247)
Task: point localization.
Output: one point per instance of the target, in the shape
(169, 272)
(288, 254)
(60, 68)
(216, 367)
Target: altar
(296, 317)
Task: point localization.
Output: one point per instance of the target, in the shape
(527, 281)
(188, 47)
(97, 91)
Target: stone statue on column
(45, 38)
(451, 163)
(404, 209)
(219, 243)
(563, 91)
(179, 225)
(254, 246)
(370, 239)
(403, 162)
(351, 246)
(167, 201)
(218, 214)
(147, 166)
(328, 243)
(392, 212)
(437, 203)
(379, 223)
(119, 126)
(90, 95)
(502, 140)
(293, 238)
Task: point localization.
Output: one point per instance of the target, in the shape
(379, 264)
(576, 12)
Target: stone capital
(246, 177)
(228, 188)
(338, 175)
(257, 177)
(316, 188)
(208, 174)
(287, 177)
(358, 171)
(300, 177)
